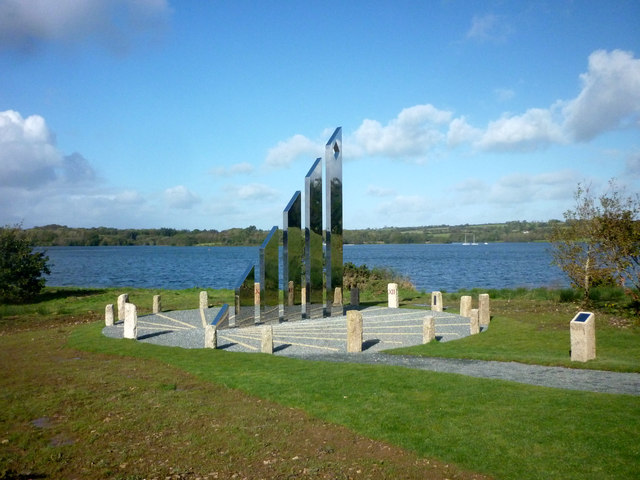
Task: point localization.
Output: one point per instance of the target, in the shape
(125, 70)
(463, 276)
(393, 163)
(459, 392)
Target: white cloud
(115, 24)
(286, 152)
(180, 197)
(376, 191)
(411, 134)
(534, 129)
(489, 27)
(253, 191)
(236, 169)
(610, 95)
(461, 132)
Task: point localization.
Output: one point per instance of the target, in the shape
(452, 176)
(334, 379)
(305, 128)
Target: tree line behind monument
(515, 231)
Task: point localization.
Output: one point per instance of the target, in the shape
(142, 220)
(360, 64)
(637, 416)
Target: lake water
(430, 267)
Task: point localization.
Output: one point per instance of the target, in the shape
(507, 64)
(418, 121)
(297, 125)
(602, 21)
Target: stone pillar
(474, 325)
(436, 302)
(355, 297)
(428, 329)
(354, 331)
(484, 309)
(256, 294)
(290, 293)
(583, 337)
(204, 300)
(465, 306)
(122, 299)
(130, 321)
(392, 292)
(210, 336)
(303, 295)
(337, 297)
(267, 339)
(157, 304)
(108, 315)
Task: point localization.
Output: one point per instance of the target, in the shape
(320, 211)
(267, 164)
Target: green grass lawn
(496, 428)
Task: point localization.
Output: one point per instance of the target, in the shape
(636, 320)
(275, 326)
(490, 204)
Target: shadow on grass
(64, 293)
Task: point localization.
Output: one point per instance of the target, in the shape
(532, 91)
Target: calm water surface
(429, 267)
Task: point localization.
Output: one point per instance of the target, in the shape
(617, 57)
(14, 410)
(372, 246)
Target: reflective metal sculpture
(333, 225)
(292, 250)
(244, 303)
(313, 241)
(269, 279)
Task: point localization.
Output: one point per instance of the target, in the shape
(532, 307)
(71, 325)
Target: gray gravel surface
(384, 328)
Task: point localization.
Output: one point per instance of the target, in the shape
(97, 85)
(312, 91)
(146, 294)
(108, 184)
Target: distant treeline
(57, 235)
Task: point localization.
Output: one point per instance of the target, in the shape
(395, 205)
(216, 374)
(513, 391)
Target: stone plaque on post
(313, 241)
(392, 294)
(269, 279)
(333, 234)
(583, 337)
(436, 302)
(292, 253)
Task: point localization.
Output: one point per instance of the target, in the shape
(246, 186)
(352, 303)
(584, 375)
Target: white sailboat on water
(467, 243)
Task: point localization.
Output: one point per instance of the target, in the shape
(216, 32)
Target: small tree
(21, 269)
(600, 241)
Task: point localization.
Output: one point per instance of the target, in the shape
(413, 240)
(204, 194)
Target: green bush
(21, 268)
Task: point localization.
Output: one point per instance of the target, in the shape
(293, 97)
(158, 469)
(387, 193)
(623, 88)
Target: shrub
(21, 268)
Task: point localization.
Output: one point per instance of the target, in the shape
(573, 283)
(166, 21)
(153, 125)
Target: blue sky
(208, 114)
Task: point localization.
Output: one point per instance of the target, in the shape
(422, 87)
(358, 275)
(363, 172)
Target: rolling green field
(78, 404)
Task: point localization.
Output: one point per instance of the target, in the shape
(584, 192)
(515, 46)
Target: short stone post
(355, 297)
(436, 302)
(475, 321)
(157, 304)
(337, 297)
(484, 309)
(303, 295)
(290, 294)
(256, 294)
(354, 331)
(428, 329)
(130, 321)
(465, 306)
(267, 339)
(108, 315)
(392, 292)
(583, 337)
(210, 336)
(122, 299)
(204, 300)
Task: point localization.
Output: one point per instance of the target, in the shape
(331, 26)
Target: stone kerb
(484, 309)
(474, 325)
(392, 293)
(122, 299)
(354, 331)
(428, 329)
(436, 302)
(130, 321)
(108, 315)
(583, 337)
(465, 306)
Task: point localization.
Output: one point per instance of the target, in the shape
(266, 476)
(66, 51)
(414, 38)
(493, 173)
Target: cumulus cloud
(533, 129)
(376, 191)
(610, 95)
(236, 169)
(298, 146)
(411, 134)
(180, 197)
(252, 191)
(461, 132)
(116, 24)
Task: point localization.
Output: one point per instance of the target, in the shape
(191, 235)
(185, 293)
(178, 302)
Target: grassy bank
(112, 408)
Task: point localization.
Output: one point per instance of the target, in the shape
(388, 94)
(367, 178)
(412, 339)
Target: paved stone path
(384, 328)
